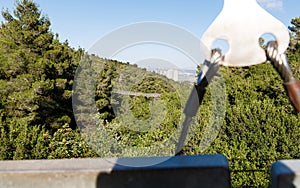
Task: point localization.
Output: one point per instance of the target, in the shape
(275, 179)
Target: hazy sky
(83, 22)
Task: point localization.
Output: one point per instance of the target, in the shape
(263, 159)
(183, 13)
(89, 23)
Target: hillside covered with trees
(37, 119)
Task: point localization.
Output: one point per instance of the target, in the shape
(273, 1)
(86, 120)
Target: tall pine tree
(36, 70)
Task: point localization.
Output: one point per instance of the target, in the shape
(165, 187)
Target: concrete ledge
(182, 171)
(285, 174)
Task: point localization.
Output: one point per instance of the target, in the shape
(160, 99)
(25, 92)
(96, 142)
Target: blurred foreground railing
(285, 174)
(174, 172)
(178, 172)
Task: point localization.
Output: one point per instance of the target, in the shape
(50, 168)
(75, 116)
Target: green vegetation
(36, 76)
(37, 121)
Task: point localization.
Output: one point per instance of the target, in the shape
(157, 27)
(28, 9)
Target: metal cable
(279, 62)
(209, 66)
(209, 70)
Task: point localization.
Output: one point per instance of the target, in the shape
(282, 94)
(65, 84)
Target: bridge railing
(178, 172)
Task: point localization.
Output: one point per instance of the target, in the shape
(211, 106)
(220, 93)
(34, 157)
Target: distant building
(172, 74)
(177, 75)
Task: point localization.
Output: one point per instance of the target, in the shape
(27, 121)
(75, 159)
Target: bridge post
(285, 174)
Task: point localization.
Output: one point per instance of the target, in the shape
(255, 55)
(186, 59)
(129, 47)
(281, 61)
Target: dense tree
(294, 50)
(36, 70)
(295, 27)
(36, 75)
(104, 89)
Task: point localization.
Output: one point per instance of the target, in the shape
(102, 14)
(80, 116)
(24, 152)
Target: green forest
(38, 120)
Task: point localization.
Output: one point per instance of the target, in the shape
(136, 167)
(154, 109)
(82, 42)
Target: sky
(84, 22)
